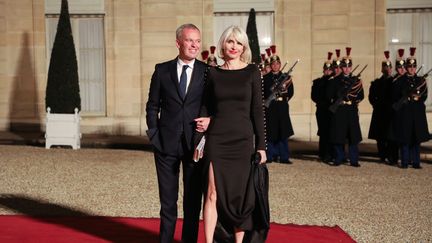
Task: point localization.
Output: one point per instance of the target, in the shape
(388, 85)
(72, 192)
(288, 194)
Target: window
(412, 28)
(264, 22)
(88, 34)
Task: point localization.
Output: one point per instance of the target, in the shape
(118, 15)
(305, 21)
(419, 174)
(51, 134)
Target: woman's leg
(239, 235)
(210, 212)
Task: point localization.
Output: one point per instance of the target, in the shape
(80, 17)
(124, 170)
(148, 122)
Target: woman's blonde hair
(240, 35)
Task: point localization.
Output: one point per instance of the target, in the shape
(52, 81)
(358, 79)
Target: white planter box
(63, 129)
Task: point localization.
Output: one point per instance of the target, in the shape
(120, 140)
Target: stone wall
(308, 29)
(22, 64)
(141, 33)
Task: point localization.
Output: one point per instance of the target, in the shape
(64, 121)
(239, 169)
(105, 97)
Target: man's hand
(202, 124)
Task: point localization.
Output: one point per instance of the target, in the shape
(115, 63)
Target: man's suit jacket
(168, 115)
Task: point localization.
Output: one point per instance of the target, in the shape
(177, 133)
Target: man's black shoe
(391, 162)
(286, 161)
(404, 166)
(355, 165)
(417, 167)
(327, 159)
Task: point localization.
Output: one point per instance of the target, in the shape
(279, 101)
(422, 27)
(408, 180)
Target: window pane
(51, 32)
(424, 55)
(89, 46)
(400, 27)
(264, 24)
(399, 33)
(426, 26)
(265, 30)
(92, 65)
(402, 34)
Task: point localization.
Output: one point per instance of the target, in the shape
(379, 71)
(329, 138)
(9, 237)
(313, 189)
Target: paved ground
(297, 148)
(373, 203)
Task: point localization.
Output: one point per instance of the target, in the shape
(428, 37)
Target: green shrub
(62, 91)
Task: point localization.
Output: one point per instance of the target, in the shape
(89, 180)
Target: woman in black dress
(233, 100)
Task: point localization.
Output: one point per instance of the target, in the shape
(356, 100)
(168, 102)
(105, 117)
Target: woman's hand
(202, 124)
(263, 156)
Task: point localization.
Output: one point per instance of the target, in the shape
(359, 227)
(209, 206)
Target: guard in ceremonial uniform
(267, 67)
(279, 127)
(336, 65)
(346, 91)
(212, 61)
(204, 56)
(409, 124)
(318, 95)
(381, 101)
(400, 65)
(393, 155)
(262, 65)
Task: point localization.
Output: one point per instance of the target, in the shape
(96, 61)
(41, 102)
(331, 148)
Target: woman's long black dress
(233, 99)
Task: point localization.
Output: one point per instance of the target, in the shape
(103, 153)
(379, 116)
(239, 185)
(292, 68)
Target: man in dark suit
(174, 102)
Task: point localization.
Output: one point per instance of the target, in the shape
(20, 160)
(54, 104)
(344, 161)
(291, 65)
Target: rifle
(400, 75)
(426, 74)
(404, 99)
(397, 77)
(418, 70)
(333, 107)
(334, 75)
(352, 71)
(279, 82)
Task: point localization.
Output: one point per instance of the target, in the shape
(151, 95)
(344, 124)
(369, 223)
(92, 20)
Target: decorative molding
(409, 10)
(242, 5)
(408, 4)
(76, 15)
(76, 6)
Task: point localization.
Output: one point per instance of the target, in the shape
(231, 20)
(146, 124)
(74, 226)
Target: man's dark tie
(183, 81)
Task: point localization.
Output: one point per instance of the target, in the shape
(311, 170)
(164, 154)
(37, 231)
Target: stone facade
(141, 33)
(22, 64)
(309, 29)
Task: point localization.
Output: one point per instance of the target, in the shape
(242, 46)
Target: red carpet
(105, 229)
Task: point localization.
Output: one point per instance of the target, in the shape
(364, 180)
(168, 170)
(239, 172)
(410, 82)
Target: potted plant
(62, 99)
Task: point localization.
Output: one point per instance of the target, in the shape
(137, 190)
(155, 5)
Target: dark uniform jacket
(278, 122)
(318, 95)
(380, 98)
(344, 123)
(409, 124)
